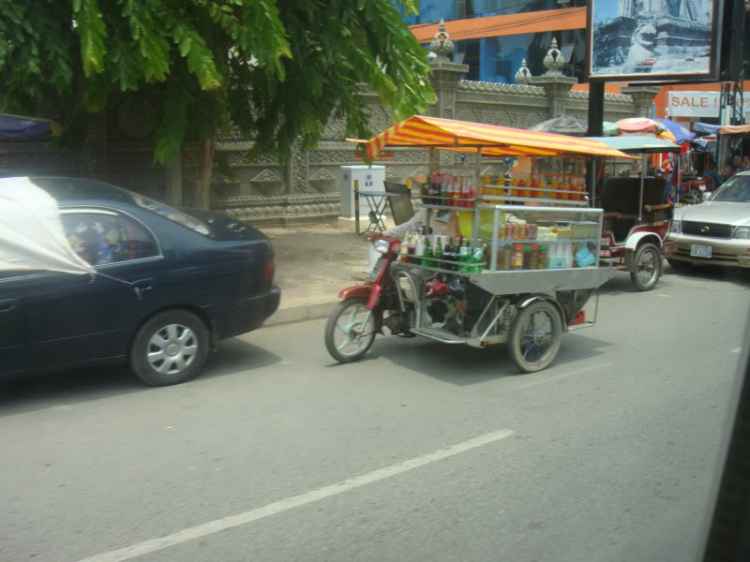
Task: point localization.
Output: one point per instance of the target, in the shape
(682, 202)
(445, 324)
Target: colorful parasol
(643, 125)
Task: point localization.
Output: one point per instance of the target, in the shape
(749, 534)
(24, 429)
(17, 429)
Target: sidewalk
(313, 263)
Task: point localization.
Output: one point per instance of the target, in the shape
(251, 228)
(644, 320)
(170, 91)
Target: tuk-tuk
(637, 218)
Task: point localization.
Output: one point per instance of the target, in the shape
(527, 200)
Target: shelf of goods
(509, 244)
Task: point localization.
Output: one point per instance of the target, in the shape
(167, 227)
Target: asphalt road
(422, 452)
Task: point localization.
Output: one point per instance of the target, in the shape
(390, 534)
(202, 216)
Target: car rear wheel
(170, 348)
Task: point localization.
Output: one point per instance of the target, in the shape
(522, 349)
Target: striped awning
(491, 140)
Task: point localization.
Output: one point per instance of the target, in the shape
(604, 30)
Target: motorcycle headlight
(676, 227)
(381, 246)
(742, 232)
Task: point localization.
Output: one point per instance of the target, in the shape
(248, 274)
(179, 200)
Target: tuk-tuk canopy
(639, 144)
(492, 140)
(735, 130)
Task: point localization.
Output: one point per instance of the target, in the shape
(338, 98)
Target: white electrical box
(370, 178)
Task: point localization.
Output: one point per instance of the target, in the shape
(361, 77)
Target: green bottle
(449, 254)
(478, 257)
(426, 261)
(438, 253)
(463, 255)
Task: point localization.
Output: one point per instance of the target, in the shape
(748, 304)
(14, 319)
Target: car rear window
(172, 214)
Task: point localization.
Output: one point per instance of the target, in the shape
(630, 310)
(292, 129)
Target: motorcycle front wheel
(350, 331)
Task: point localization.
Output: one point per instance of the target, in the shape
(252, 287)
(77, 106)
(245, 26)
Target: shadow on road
(462, 365)
(735, 275)
(621, 283)
(82, 385)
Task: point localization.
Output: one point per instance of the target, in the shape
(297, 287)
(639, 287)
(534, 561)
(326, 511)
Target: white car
(716, 232)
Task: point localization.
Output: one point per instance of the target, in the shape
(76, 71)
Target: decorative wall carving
(265, 190)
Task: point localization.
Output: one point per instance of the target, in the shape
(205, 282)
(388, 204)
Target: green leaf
(92, 32)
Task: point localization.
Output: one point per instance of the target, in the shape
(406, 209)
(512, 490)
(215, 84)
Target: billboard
(700, 104)
(653, 39)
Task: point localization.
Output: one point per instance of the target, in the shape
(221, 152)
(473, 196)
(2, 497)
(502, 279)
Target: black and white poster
(653, 39)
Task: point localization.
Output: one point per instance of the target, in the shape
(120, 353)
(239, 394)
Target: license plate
(700, 251)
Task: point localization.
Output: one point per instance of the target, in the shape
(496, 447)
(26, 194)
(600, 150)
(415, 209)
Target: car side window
(104, 238)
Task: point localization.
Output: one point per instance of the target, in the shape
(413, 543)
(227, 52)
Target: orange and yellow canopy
(463, 136)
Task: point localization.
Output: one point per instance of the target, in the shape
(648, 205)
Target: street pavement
(421, 452)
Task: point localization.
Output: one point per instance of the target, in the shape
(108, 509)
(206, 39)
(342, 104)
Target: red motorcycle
(366, 308)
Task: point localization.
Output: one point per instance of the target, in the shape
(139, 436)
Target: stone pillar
(445, 78)
(556, 85)
(445, 74)
(643, 97)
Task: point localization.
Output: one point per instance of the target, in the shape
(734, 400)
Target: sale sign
(699, 104)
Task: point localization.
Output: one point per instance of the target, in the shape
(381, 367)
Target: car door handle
(7, 306)
(142, 286)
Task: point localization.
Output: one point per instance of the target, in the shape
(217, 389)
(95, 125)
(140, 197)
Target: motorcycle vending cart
(636, 218)
(520, 280)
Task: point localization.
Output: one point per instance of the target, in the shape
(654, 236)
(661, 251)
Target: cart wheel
(646, 268)
(535, 336)
(350, 331)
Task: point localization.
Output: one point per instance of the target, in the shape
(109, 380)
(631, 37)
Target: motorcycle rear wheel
(350, 331)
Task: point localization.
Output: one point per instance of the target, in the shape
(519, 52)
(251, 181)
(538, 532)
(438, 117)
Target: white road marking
(560, 376)
(736, 350)
(192, 533)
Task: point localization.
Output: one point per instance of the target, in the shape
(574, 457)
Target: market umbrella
(19, 127)
(706, 129)
(642, 125)
(610, 129)
(681, 134)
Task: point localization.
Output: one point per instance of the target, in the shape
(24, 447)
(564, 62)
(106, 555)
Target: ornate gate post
(643, 97)
(445, 74)
(556, 85)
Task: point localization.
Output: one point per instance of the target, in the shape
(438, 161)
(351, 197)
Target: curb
(301, 313)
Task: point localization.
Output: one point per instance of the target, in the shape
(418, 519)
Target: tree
(276, 70)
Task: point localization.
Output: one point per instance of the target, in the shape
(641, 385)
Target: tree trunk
(205, 169)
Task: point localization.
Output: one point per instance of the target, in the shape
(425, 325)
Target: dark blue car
(193, 279)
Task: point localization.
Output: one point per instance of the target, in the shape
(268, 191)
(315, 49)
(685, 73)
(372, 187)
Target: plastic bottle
(534, 186)
(553, 186)
(542, 184)
(419, 246)
(565, 186)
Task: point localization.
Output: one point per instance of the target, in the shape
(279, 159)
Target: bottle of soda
(469, 195)
(426, 191)
(438, 251)
(444, 185)
(448, 254)
(427, 254)
(456, 193)
(432, 192)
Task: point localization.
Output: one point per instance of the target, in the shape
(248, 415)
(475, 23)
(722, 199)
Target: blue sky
(605, 9)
